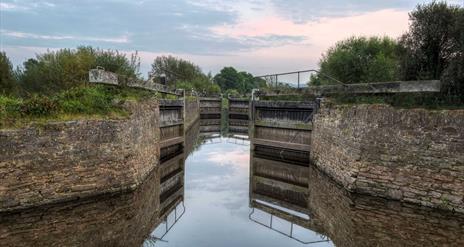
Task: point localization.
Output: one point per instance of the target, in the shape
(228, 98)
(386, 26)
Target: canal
(219, 192)
(217, 203)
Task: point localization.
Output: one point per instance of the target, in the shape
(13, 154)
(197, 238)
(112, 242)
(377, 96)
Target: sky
(258, 36)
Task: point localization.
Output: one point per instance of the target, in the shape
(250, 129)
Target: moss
(85, 102)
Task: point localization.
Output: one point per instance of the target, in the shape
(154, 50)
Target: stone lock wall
(70, 160)
(110, 220)
(412, 155)
(360, 220)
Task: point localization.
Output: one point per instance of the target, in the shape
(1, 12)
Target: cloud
(22, 35)
(236, 158)
(156, 26)
(179, 26)
(311, 10)
(259, 36)
(24, 6)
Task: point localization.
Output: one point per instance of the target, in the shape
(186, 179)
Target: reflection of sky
(216, 201)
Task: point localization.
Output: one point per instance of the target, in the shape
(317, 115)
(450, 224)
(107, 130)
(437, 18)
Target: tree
(429, 45)
(228, 78)
(359, 60)
(434, 45)
(243, 82)
(59, 70)
(183, 74)
(8, 84)
(200, 84)
(175, 69)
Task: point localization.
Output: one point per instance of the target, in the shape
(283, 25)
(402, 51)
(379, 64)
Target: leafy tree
(359, 60)
(200, 84)
(183, 74)
(232, 93)
(429, 45)
(243, 82)
(434, 45)
(175, 69)
(55, 71)
(228, 78)
(8, 84)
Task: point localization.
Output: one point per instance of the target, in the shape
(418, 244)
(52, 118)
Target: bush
(53, 72)
(359, 60)
(88, 100)
(84, 100)
(433, 48)
(39, 106)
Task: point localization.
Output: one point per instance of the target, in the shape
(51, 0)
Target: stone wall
(412, 155)
(362, 220)
(64, 161)
(118, 220)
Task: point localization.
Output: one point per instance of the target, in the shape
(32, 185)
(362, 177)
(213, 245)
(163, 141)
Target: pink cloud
(237, 158)
(319, 35)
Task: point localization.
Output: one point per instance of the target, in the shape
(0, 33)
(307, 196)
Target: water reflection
(119, 219)
(357, 220)
(279, 192)
(304, 196)
(110, 220)
(216, 192)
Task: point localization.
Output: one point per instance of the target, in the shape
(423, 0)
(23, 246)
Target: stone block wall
(64, 161)
(124, 219)
(412, 155)
(361, 220)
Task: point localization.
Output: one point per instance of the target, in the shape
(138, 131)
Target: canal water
(217, 204)
(222, 193)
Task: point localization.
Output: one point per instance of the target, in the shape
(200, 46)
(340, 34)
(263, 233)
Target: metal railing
(289, 235)
(271, 77)
(151, 240)
(100, 75)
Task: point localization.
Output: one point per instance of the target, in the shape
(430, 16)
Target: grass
(432, 101)
(84, 102)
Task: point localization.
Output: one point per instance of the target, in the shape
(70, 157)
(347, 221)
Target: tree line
(432, 48)
(56, 71)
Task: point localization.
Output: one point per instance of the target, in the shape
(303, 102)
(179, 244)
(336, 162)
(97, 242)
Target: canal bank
(411, 155)
(64, 161)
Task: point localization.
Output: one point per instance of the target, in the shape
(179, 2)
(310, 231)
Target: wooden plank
(284, 124)
(287, 145)
(172, 141)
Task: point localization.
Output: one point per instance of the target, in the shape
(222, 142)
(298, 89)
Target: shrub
(38, 106)
(359, 60)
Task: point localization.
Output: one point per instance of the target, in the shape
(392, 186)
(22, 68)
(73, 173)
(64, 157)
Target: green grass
(432, 101)
(85, 102)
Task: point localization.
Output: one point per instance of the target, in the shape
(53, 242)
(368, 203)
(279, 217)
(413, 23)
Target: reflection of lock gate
(281, 189)
(279, 160)
(238, 139)
(151, 240)
(290, 235)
